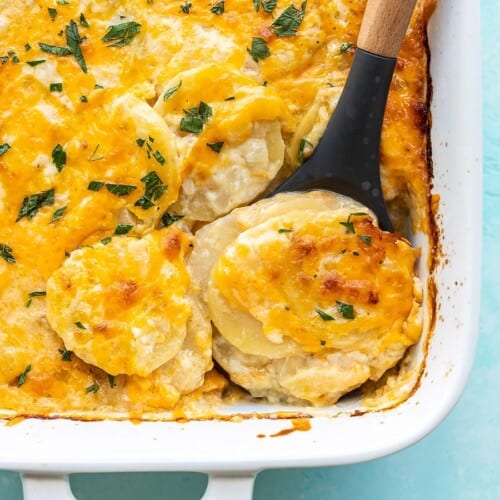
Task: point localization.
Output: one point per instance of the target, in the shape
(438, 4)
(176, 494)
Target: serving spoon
(347, 158)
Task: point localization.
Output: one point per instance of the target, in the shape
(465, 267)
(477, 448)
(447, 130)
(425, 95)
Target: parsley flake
(284, 230)
(122, 229)
(154, 190)
(59, 157)
(107, 240)
(171, 91)
(185, 7)
(348, 224)
(92, 388)
(324, 316)
(80, 325)
(74, 40)
(268, 6)
(259, 49)
(167, 219)
(218, 8)
(4, 148)
(83, 21)
(65, 354)
(34, 294)
(215, 146)
(366, 239)
(56, 87)
(112, 381)
(57, 215)
(302, 146)
(195, 118)
(52, 13)
(289, 21)
(35, 63)
(120, 189)
(347, 310)
(31, 204)
(54, 49)
(6, 254)
(121, 34)
(344, 47)
(21, 379)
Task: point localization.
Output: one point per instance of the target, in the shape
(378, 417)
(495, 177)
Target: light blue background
(458, 461)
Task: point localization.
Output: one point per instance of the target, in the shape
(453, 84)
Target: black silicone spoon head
(347, 159)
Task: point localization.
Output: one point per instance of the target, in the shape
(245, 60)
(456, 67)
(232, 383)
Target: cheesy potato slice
(306, 287)
(228, 136)
(124, 306)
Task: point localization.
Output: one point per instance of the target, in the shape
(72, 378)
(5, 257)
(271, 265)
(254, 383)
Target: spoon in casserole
(347, 158)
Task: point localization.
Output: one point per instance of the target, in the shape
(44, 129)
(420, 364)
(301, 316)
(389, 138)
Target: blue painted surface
(458, 461)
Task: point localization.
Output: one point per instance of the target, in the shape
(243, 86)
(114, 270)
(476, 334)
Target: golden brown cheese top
(324, 280)
(90, 142)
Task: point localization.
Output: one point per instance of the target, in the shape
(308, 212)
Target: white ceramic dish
(46, 450)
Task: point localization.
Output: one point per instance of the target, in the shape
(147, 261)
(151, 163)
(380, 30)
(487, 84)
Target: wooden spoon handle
(384, 26)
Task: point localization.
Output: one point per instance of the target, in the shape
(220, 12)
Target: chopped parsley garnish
(171, 91)
(6, 253)
(54, 49)
(65, 354)
(27, 47)
(59, 157)
(259, 49)
(21, 379)
(13, 56)
(57, 215)
(122, 229)
(4, 148)
(83, 98)
(111, 380)
(117, 189)
(52, 13)
(140, 142)
(302, 146)
(83, 21)
(31, 204)
(95, 185)
(121, 34)
(107, 240)
(34, 294)
(74, 40)
(366, 239)
(325, 316)
(322, 342)
(98, 87)
(159, 157)
(195, 118)
(62, 2)
(185, 7)
(284, 230)
(154, 190)
(344, 47)
(347, 310)
(289, 21)
(120, 189)
(92, 388)
(348, 224)
(167, 219)
(215, 146)
(230, 98)
(218, 8)
(56, 87)
(35, 63)
(80, 325)
(268, 6)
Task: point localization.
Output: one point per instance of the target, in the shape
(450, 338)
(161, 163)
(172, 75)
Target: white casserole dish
(46, 450)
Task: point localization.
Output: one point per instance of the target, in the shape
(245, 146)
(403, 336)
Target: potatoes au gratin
(138, 140)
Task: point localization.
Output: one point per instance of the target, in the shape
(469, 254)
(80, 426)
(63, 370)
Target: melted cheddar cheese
(120, 117)
(324, 285)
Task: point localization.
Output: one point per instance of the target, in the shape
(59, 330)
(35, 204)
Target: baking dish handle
(229, 487)
(46, 487)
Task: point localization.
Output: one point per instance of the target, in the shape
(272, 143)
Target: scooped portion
(309, 296)
(126, 306)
